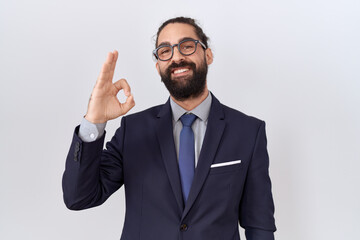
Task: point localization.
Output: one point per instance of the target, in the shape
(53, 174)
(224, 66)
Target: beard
(182, 88)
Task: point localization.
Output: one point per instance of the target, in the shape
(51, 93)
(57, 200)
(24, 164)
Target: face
(183, 76)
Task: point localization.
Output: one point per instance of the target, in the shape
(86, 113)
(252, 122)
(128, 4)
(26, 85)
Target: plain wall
(294, 64)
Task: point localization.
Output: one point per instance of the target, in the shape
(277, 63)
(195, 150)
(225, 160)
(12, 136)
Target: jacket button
(77, 146)
(183, 227)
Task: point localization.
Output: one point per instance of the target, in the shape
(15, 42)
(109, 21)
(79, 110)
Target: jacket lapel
(213, 134)
(164, 130)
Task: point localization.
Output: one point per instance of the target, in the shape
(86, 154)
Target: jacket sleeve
(257, 206)
(92, 174)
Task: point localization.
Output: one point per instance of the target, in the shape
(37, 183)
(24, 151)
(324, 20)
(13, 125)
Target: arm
(257, 207)
(91, 173)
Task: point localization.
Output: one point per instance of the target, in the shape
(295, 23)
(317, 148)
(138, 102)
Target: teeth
(181, 70)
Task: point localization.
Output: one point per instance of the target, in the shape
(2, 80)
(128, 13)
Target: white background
(293, 63)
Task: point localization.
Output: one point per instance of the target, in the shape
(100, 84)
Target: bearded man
(192, 168)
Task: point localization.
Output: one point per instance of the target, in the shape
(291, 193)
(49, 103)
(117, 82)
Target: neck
(191, 103)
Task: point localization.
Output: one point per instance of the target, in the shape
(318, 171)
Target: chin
(182, 80)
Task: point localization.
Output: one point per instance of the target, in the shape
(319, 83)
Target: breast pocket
(225, 167)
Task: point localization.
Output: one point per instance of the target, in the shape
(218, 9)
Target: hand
(104, 104)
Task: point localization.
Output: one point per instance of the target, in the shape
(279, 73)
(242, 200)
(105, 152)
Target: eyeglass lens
(186, 48)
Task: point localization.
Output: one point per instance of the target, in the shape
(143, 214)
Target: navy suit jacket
(142, 156)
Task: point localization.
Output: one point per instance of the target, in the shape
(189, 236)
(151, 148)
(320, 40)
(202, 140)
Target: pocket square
(225, 164)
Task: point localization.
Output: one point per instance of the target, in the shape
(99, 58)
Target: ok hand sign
(104, 104)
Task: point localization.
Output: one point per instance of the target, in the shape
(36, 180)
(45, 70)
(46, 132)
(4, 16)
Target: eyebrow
(169, 44)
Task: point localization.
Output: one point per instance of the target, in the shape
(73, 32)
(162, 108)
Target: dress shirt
(199, 126)
(90, 132)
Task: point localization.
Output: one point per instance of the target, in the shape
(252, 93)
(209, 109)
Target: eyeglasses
(185, 47)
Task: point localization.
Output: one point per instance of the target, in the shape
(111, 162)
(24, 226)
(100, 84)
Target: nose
(177, 56)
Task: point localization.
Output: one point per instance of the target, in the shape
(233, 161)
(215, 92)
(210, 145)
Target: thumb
(128, 104)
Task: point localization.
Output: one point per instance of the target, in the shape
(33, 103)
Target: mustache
(181, 64)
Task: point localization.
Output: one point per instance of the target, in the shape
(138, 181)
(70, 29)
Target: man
(192, 168)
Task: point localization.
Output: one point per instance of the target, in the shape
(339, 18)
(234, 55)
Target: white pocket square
(225, 164)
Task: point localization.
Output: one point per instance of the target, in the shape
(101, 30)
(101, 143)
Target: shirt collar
(201, 111)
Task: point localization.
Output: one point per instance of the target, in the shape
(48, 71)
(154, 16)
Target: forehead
(174, 32)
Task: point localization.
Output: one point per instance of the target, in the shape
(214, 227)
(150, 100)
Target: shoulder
(149, 112)
(238, 115)
(234, 116)
(238, 120)
(241, 124)
(144, 117)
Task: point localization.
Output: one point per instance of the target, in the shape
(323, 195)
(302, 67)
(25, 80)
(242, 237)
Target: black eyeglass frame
(178, 45)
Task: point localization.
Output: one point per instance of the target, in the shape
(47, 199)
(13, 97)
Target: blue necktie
(187, 154)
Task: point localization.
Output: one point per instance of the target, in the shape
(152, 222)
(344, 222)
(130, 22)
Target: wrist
(94, 120)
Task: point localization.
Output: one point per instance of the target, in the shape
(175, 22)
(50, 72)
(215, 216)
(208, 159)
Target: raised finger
(113, 63)
(105, 73)
(123, 84)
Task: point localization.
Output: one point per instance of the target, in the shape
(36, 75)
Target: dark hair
(199, 32)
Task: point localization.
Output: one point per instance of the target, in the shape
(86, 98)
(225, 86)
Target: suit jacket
(142, 156)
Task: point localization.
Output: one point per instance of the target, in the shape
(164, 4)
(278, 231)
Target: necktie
(187, 154)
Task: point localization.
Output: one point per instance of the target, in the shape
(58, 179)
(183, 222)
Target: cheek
(161, 65)
(161, 68)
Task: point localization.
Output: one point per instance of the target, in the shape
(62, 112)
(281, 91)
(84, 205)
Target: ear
(157, 67)
(209, 56)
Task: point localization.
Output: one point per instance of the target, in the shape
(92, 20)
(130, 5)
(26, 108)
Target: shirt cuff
(90, 132)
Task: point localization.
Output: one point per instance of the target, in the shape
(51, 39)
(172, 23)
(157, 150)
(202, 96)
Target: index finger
(107, 70)
(123, 84)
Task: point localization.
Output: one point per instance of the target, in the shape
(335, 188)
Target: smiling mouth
(180, 70)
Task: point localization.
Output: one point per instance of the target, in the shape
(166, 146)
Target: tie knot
(187, 119)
